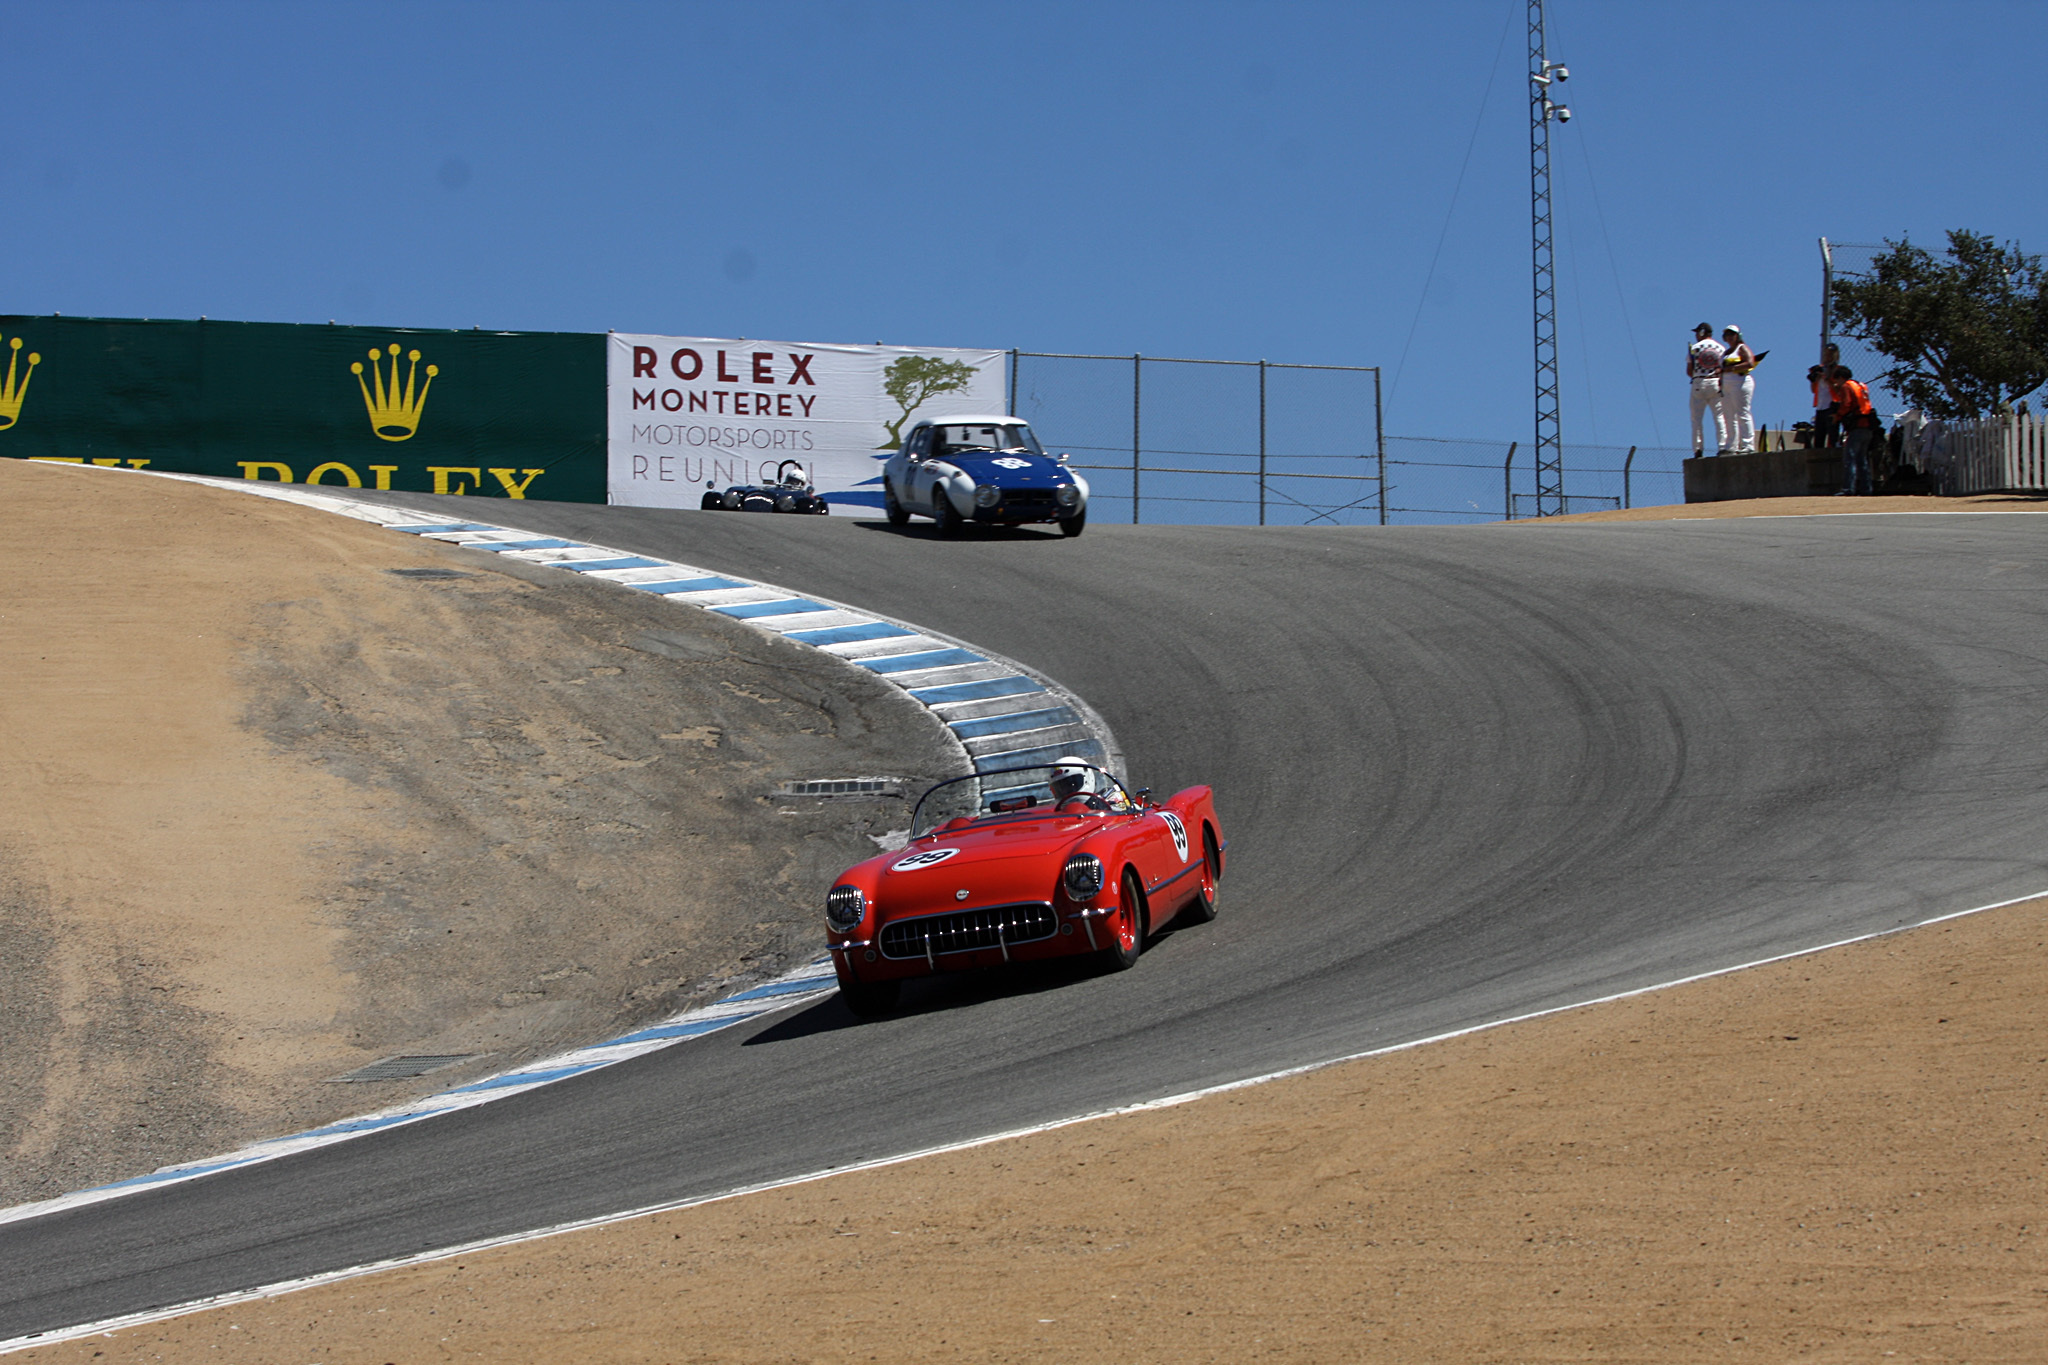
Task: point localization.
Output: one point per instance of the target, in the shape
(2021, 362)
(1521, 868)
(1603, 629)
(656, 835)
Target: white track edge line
(107, 1326)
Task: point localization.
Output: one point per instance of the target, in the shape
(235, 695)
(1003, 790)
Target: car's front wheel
(871, 999)
(1126, 927)
(712, 501)
(897, 513)
(944, 513)
(1074, 525)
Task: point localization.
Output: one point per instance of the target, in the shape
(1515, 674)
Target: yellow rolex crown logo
(394, 413)
(12, 395)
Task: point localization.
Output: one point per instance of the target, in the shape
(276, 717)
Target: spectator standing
(1859, 428)
(1820, 377)
(1703, 367)
(1738, 388)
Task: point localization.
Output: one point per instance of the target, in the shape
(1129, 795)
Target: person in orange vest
(1860, 425)
(1738, 388)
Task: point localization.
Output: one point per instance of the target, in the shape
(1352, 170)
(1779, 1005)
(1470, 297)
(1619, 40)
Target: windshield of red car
(1074, 790)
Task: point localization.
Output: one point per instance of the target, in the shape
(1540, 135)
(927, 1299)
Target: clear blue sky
(1186, 179)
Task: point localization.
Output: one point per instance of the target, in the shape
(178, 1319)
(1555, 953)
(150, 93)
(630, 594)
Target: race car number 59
(1180, 833)
(932, 857)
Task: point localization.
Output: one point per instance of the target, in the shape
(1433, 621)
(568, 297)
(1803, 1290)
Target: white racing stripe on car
(111, 1325)
(932, 669)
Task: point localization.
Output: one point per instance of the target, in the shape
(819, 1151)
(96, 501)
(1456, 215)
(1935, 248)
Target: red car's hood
(1005, 858)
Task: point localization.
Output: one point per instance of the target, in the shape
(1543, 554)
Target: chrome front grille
(961, 931)
(1033, 499)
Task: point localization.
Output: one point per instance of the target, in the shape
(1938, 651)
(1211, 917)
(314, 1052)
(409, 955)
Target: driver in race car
(1073, 788)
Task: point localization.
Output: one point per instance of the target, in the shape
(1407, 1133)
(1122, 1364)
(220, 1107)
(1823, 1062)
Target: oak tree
(1967, 331)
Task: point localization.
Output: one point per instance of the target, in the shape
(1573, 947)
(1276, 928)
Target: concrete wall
(1772, 474)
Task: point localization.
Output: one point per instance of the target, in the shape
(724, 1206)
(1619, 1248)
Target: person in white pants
(1703, 367)
(1738, 387)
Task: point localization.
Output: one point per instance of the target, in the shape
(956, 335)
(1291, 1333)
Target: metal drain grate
(429, 573)
(405, 1068)
(844, 786)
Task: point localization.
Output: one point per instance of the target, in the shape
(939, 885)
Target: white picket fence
(1990, 455)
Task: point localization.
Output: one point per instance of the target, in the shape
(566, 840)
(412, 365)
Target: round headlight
(1068, 495)
(844, 906)
(988, 495)
(1083, 875)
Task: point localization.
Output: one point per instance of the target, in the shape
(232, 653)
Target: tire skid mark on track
(281, 1287)
(942, 674)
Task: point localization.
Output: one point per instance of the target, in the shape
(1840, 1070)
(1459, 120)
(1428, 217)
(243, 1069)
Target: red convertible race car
(1023, 865)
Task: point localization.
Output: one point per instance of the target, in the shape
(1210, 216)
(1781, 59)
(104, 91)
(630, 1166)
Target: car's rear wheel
(1202, 908)
(1074, 525)
(897, 513)
(1126, 927)
(871, 999)
(944, 513)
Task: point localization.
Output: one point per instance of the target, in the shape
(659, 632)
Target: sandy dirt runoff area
(1832, 1158)
(1836, 1157)
(282, 793)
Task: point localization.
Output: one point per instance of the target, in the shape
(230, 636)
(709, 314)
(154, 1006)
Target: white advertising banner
(687, 413)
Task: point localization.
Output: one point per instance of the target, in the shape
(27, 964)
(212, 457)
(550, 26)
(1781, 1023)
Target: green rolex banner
(501, 414)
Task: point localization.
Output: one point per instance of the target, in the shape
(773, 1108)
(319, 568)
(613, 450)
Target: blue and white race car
(990, 470)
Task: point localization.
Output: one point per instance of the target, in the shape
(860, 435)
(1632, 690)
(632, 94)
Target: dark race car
(791, 492)
(1024, 865)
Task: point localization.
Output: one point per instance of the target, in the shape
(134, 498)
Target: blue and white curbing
(1002, 715)
(806, 985)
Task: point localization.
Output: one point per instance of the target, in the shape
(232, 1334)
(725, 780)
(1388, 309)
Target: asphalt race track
(1466, 772)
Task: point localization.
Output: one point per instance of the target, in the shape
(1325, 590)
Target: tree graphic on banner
(915, 379)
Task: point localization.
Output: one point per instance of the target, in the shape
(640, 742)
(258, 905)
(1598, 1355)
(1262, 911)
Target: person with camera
(1820, 378)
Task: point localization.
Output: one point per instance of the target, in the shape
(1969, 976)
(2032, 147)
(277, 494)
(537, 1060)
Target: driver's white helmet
(1071, 777)
(796, 478)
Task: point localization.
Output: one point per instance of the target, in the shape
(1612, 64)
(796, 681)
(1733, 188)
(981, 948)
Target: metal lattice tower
(1542, 109)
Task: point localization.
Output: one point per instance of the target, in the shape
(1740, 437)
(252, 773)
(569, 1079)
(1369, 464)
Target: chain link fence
(1230, 442)
(1853, 261)
(1253, 443)
(1431, 479)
